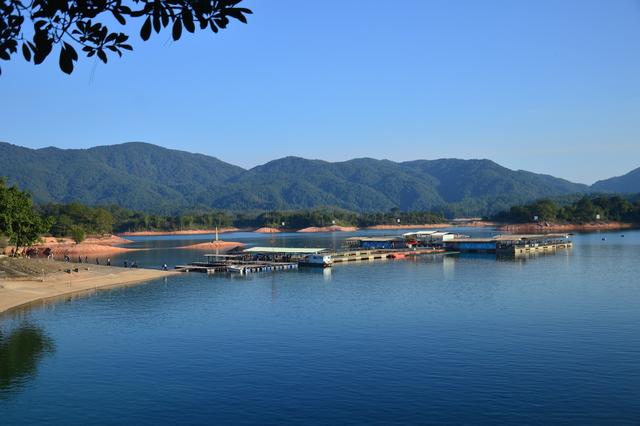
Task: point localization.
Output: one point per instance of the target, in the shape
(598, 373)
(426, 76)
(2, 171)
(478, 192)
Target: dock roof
(285, 250)
(418, 233)
(383, 238)
(518, 237)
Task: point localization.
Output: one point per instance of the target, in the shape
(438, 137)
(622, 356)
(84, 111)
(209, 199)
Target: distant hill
(134, 175)
(629, 183)
(147, 177)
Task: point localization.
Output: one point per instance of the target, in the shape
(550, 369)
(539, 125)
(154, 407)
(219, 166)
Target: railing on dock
(238, 268)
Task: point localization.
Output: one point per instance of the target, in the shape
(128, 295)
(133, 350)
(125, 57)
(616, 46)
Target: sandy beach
(92, 247)
(17, 292)
(332, 228)
(267, 230)
(214, 245)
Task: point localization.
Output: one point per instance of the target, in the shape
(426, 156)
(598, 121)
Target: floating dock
(368, 255)
(511, 244)
(271, 259)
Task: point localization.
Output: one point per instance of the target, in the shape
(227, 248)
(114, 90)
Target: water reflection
(21, 350)
(326, 273)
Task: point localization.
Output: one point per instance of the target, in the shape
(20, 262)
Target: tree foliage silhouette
(66, 23)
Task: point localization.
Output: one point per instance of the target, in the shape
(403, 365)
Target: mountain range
(628, 183)
(155, 179)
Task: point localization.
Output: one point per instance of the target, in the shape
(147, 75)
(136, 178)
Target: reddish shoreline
(563, 227)
(214, 245)
(267, 230)
(184, 232)
(332, 228)
(98, 246)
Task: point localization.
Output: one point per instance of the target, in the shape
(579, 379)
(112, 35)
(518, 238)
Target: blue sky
(547, 86)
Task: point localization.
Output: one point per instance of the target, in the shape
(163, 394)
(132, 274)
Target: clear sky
(543, 85)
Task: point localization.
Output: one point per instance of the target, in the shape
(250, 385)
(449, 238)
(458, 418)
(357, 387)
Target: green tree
(18, 218)
(545, 210)
(66, 23)
(77, 234)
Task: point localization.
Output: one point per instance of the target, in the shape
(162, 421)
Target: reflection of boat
(397, 256)
(317, 260)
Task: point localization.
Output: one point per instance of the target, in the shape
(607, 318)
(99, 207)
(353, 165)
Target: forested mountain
(134, 175)
(629, 183)
(147, 177)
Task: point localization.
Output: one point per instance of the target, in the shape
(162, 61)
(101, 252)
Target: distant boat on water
(316, 260)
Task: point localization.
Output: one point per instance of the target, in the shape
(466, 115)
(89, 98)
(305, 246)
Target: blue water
(442, 339)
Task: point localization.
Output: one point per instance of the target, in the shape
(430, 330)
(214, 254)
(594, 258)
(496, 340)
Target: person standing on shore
(109, 262)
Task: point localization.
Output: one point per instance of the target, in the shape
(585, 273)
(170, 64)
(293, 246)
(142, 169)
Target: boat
(316, 260)
(235, 269)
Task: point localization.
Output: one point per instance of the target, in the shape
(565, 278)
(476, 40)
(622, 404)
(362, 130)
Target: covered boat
(317, 260)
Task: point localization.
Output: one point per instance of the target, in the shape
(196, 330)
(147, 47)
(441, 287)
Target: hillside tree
(18, 218)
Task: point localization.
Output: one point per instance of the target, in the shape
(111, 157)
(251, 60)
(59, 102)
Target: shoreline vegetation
(179, 232)
(61, 230)
(602, 212)
(502, 226)
(109, 245)
(25, 281)
(541, 228)
(32, 281)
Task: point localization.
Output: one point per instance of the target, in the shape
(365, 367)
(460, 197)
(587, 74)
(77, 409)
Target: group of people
(133, 264)
(49, 253)
(67, 259)
(128, 264)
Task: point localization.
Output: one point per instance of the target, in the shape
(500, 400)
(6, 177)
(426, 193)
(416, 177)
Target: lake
(438, 339)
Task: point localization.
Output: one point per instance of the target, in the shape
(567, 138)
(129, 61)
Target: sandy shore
(333, 228)
(267, 230)
(108, 240)
(214, 245)
(185, 232)
(85, 250)
(15, 293)
(532, 228)
(90, 247)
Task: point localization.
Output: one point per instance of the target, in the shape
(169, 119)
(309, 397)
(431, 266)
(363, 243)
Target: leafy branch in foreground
(82, 23)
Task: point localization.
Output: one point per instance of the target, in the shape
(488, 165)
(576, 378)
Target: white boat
(235, 269)
(317, 260)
